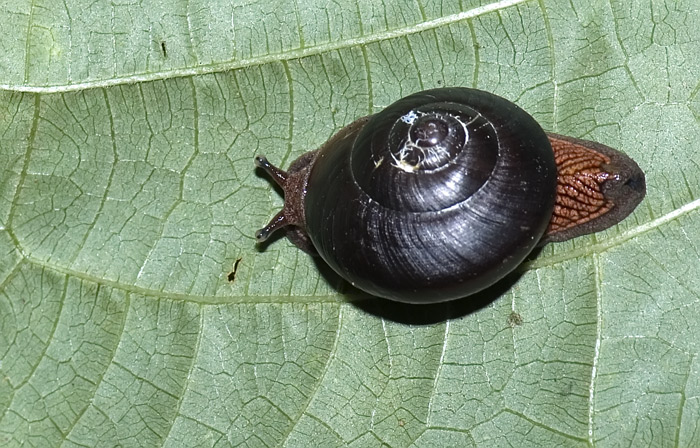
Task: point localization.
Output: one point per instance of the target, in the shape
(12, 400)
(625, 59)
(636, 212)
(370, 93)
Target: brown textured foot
(597, 187)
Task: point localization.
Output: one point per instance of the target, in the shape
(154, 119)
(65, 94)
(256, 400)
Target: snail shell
(445, 192)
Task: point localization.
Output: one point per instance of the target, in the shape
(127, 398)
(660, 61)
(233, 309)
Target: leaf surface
(128, 197)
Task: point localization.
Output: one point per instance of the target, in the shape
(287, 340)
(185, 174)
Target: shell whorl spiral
(459, 166)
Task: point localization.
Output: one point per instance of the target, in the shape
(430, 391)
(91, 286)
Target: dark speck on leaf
(515, 319)
(232, 274)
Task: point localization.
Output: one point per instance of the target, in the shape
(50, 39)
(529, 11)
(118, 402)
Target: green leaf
(128, 195)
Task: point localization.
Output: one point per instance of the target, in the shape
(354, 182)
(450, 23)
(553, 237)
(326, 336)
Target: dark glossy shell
(438, 196)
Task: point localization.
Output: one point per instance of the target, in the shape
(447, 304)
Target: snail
(445, 192)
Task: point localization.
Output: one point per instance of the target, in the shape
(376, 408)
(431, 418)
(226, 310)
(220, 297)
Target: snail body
(445, 192)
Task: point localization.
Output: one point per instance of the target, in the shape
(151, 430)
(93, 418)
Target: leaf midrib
(271, 58)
